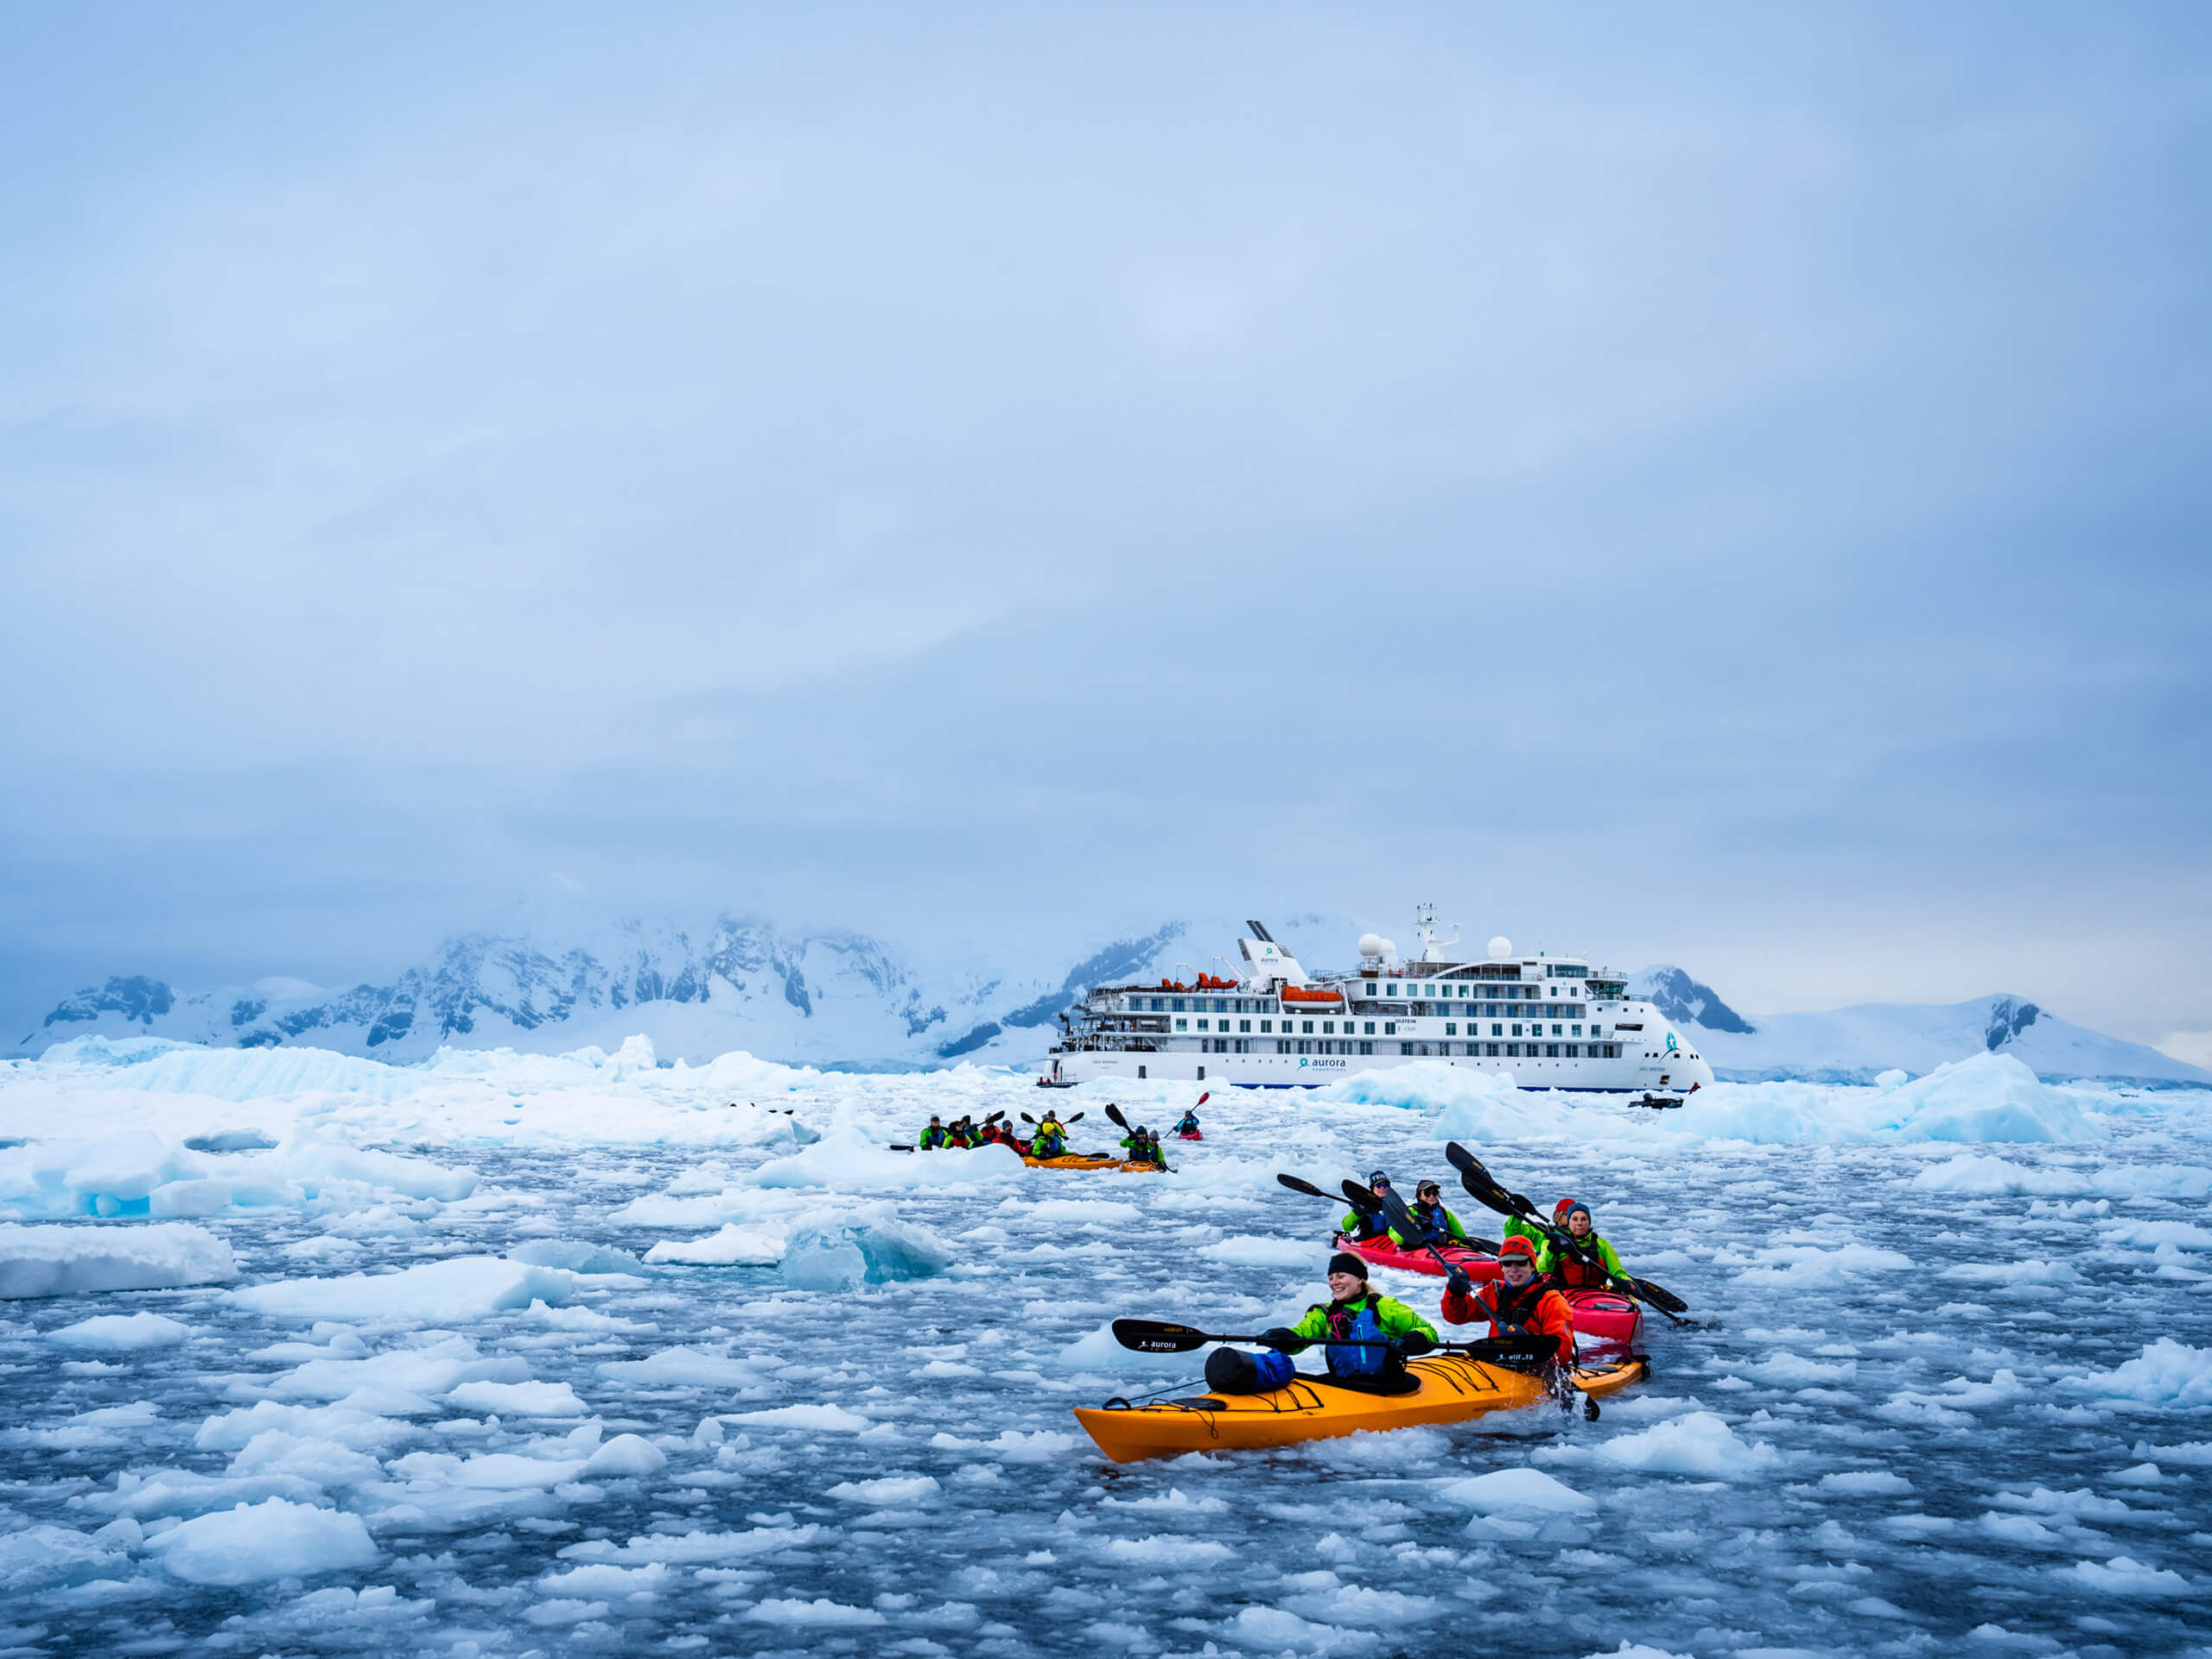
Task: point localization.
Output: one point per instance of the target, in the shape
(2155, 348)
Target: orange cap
(1517, 1245)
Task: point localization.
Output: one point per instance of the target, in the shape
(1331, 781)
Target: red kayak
(1605, 1314)
(1195, 1134)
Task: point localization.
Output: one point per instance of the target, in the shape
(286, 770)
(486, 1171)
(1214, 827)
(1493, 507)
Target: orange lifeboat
(1312, 998)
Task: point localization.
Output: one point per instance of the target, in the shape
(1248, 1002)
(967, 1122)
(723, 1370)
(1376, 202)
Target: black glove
(1284, 1340)
(1412, 1343)
(1457, 1283)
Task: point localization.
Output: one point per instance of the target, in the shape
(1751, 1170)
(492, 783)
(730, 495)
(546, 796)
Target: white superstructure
(1547, 1021)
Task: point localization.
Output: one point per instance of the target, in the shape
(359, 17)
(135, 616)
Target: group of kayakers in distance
(1047, 1141)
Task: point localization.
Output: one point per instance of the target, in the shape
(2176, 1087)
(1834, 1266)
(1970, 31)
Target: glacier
(509, 1354)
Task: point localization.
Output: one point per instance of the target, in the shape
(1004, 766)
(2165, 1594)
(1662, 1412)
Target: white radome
(1501, 949)
(1373, 946)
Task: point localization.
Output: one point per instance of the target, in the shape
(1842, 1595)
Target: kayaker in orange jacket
(1519, 1301)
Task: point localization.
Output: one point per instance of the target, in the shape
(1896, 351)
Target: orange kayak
(1453, 1389)
(1087, 1160)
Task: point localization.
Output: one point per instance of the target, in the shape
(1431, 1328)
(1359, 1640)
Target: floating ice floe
(122, 1333)
(72, 1260)
(454, 1291)
(847, 1159)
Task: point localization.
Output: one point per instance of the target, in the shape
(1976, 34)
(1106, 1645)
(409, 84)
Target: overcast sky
(1724, 486)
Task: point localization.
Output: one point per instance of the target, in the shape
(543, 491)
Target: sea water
(1948, 1393)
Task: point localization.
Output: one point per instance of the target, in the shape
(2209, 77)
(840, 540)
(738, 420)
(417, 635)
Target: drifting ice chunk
(625, 1455)
(2168, 1373)
(255, 1542)
(116, 1333)
(733, 1246)
(575, 1256)
(189, 1198)
(452, 1292)
(1515, 1489)
(1698, 1443)
(72, 1260)
(517, 1399)
(827, 1256)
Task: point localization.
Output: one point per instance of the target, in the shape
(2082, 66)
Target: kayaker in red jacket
(1518, 1302)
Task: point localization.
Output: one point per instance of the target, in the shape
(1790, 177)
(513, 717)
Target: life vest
(1514, 1309)
(1575, 1274)
(1434, 1227)
(1365, 1358)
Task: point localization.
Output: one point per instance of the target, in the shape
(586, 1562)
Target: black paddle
(1115, 1112)
(1483, 1186)
(1152, 1337)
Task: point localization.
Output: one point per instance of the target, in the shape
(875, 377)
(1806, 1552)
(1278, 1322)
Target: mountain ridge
(829, 996)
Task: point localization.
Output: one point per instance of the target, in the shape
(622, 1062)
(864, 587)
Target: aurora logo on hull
(1672, 1046)
(1321, 1066)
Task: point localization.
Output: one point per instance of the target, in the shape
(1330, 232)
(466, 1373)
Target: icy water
(1941, 1397)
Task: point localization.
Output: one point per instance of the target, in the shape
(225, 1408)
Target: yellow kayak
(1087, 1160)
(1453, 1389)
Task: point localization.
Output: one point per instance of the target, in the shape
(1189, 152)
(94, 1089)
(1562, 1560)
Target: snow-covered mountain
(824, 997)
(835, 998)
(1855, 1044)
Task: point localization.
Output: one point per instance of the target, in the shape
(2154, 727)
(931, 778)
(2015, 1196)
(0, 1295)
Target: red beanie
(1517, 1245)
(1560, 1209)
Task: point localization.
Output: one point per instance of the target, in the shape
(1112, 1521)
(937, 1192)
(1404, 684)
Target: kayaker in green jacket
(1051, 1140)
(1365, 1228)
(934, 1136)
(1561, 1264)
(1143, 1148)
(1369, 1336)
(1433, 1222)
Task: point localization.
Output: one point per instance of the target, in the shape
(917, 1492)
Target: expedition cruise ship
(1548, 1022)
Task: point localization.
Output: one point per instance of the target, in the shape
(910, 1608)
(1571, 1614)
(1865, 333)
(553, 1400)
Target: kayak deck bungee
(1453, 1389)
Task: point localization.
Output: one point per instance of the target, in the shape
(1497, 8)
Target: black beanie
(1345, 1261)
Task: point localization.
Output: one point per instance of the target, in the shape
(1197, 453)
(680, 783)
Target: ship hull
(1621, 1077)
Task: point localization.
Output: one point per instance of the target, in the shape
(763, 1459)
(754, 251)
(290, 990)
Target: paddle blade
(1359, 1198)
(1297, 1186)
(1203, 1099)
(1659, 1296)
(895, 1147)
(1115, 1112)
(994, 1117)
(1024, 1117)
(1483, 1246)
(1152, 1337)
(1077, 1118)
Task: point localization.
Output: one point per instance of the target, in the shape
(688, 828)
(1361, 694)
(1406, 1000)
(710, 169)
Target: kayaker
(1433, 1222)
(1144, 1147)
(1051, 1140)
(1190, 1124)
(1366, 1229)
(934, 1136)
(1391, 1331)
(1521, 1301)
(1571, 1274)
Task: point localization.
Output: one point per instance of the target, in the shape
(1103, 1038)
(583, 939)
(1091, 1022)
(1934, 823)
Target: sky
(1722, 487)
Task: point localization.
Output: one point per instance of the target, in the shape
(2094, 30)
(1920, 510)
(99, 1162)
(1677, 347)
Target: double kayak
(1385, 1253)
(1605, 1314)
(1453, 1389)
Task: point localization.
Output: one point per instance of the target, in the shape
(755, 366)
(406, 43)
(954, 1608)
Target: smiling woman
(774, 458)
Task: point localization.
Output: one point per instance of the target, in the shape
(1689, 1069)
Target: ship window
(1371, 1027)
(1202, 1025)
(1367, 1048)
(1266, 1026)
(1513, 1050)
(1221, 1005)
(1389, 1028)
(1516, 1030)
(1451, 1029)
(1179, 1009)
(1306, 1026)
(1574, 1051)
(1281, 1047)
(1185, 1025)
(1552, 1049)
(1492, 1047)
(1329, 1027)
(1243, 1025)
(1389, 990)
